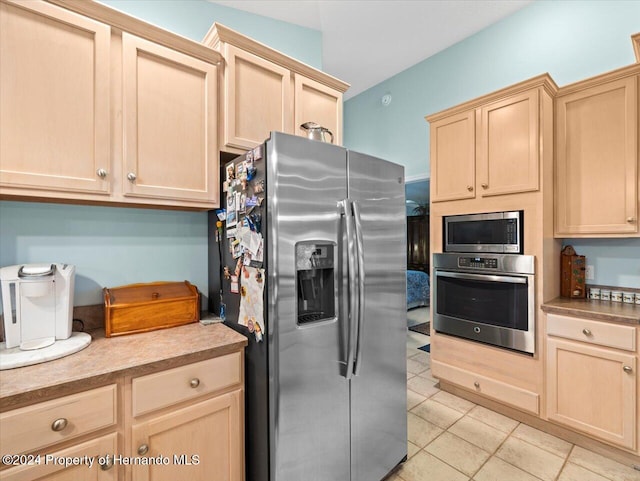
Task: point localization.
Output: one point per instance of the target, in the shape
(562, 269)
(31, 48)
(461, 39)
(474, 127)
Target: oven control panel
(478, 262)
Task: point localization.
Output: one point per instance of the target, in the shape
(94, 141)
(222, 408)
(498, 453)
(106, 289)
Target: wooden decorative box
(147, 307)
(572, 274)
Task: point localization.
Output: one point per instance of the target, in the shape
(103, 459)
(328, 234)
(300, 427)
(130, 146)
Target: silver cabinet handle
(484, 186)
(102, 173)
(59, 424)
(143, 449)
(108, 463)
(470, 188)
(131, 177)
(194, 383)
(477, 385)
(627, 369)
(631, 220)
(586, 332)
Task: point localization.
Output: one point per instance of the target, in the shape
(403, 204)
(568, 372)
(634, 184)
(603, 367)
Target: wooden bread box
(147, 307)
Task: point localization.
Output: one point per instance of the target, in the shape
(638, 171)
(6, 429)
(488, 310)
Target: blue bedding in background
(417, 289)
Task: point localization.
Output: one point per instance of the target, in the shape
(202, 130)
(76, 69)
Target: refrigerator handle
(347, 209)
(360, 284)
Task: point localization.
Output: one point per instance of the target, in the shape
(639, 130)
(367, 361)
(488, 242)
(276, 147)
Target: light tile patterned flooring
(452, 439)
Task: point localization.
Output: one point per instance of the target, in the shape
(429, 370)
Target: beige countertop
(107, 359)
(599, 310)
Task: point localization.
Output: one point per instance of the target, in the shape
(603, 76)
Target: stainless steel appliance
(37, 302)
(499, 232)
(486, 297)
(326, 387)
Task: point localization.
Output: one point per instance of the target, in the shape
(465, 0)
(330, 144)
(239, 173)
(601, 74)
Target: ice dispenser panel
(315, 281)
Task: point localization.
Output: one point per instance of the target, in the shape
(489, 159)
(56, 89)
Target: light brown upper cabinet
(170, 123)
(491, 145)
(257, 97)
(54, 99)
(316, 102)
(99, 107)
(265, 90)
(508, 147)
(453, 157)
(597, 156)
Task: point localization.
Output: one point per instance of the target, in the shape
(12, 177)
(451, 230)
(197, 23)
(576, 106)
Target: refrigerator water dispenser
(315, 281)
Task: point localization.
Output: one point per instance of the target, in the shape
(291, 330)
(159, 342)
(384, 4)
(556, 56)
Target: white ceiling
(367, 41)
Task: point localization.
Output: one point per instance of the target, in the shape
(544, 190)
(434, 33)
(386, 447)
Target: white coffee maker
(37, 304)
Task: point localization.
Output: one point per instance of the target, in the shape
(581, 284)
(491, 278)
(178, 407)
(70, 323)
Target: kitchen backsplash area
(110, 246)
(616, 262)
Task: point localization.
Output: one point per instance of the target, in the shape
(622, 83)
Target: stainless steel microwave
(495, 232)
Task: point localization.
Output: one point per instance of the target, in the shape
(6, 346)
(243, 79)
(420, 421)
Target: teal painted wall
(110, 246)
(113, 246)
(193, 19)
(616, 262)
(571, 40)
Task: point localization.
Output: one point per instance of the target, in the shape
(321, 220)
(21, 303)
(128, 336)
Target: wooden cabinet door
(592, 390)
(54, 99)
(453, 158)
(508, 145)
(597, 160)
(170, 123)
(258, 99)
(98, 449)
(209, 435)
(315, 102)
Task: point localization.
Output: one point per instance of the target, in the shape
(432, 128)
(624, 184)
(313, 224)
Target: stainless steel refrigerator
(326, 387)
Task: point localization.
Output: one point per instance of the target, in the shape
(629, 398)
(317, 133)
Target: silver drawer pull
(631, 220)
(59, 424)
(194, 383)
(143, 449)
(108, 462)
(586, 332)
(627, 369)
(131, 177)
(477, 385)
(102, 173)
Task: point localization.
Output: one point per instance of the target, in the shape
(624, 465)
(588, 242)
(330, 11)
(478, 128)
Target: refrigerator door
(309, 393)
(379, 388)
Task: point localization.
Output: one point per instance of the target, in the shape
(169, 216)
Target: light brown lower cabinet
(51, 467)
(591, 377)
(188, 422)
(505, 393)
(202, 442)
(592, 389)
(185, 423)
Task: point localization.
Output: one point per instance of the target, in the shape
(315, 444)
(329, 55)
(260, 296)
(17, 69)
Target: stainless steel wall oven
(488, 298)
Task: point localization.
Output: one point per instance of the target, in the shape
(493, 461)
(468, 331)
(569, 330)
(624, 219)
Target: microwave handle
(482, 277)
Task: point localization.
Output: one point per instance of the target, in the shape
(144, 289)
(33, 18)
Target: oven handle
(482, 277)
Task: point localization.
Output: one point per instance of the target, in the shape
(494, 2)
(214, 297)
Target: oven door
(494, 309)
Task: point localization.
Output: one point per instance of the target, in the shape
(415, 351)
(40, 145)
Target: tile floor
(452, 439)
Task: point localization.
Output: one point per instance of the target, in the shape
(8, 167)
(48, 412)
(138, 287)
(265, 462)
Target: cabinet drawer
(182, 383)
(593, 332)
(498, 390)
(91, 451)
(30, 428)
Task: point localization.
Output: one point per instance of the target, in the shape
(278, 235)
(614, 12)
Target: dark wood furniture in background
(418, 243)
